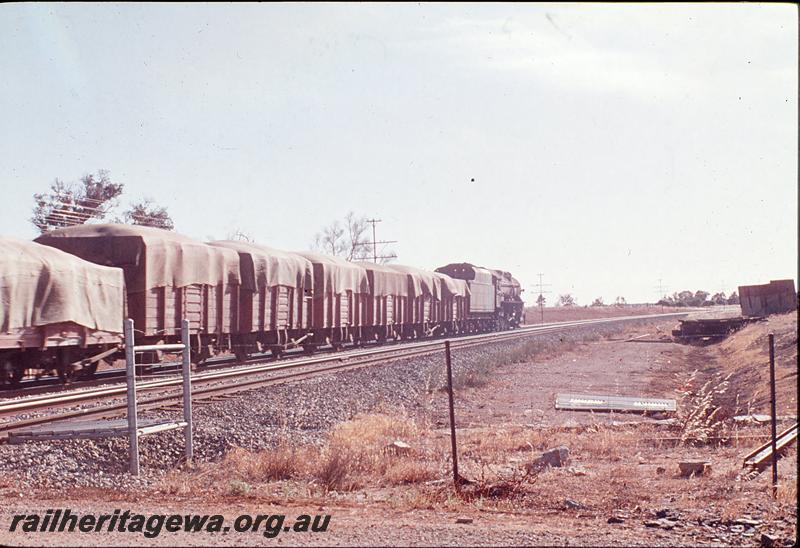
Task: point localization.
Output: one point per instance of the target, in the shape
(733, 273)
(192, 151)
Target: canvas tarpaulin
(151, 257)
(263, 266)
(40, 285)
(336, 275)
(452, 287)
(387, 281)
(422, 282)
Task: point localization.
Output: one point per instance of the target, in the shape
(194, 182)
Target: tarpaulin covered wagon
(275, 299)
(169, 277)
(57, 311)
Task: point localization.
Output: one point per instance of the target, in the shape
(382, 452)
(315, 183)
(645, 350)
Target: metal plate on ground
(594, 402)
(89, 430)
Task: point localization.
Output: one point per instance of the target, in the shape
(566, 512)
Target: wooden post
(456, 478)
(774, 416)
(130, 377)
(187, 391)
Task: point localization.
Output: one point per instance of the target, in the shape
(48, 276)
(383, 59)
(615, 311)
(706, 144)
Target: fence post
(187, 390)
(456, 478)
(774, 417)
(130, 377)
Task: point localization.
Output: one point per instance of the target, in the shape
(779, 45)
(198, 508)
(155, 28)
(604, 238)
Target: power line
(375, 243)
(661, 290)
(540, 300)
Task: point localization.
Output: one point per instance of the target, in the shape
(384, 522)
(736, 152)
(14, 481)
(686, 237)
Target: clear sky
(610, 145)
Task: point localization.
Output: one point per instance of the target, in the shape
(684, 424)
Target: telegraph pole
(662, 293)
(541, 295)
(375, 243)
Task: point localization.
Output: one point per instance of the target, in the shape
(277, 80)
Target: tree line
(698, 298)
(677, 299)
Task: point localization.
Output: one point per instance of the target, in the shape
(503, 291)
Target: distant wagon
(168, 278)
(388, 314)
(773, 298)
(57, 312)
(453, 304)
(422, 312)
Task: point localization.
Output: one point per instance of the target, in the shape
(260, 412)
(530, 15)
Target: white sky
(611, 145)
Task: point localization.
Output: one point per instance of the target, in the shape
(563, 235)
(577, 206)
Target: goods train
(65, 295)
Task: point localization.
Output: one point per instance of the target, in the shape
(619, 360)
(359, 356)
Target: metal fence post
(130, 377)
(456, 478)
(187, 390)
(773, 412)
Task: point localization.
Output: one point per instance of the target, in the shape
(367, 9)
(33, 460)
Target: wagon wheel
(64, 367)
(241, 354)
(146, 361)
(11, 373)
(200, 357)
(89, 368)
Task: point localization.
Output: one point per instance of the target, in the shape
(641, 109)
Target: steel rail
(760, 458)
(398, 352)
(51, 385)
(245, 385)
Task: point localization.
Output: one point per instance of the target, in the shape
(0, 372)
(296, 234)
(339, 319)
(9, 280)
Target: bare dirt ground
(620, 487)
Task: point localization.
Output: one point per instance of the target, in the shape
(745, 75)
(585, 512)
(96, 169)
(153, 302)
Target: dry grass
(280, 463)
(357, 453)
(360, 449)
(745, 356)
(787, 492)
(617, 469)
(699, 416)
(570, 313)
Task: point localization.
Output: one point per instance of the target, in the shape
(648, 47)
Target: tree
(540, 301)
(733, 298)
(566, 300)
(598, 302)
(687, 298)
(719, 298)
(240, 236)
(331, 240)
(69, 204)
(147, 213)
(349, 239)
(666, 301)
(620, 301)
(700, 297)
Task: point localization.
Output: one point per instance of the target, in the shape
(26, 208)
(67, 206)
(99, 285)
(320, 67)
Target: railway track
(208, 384)
(760, 458)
